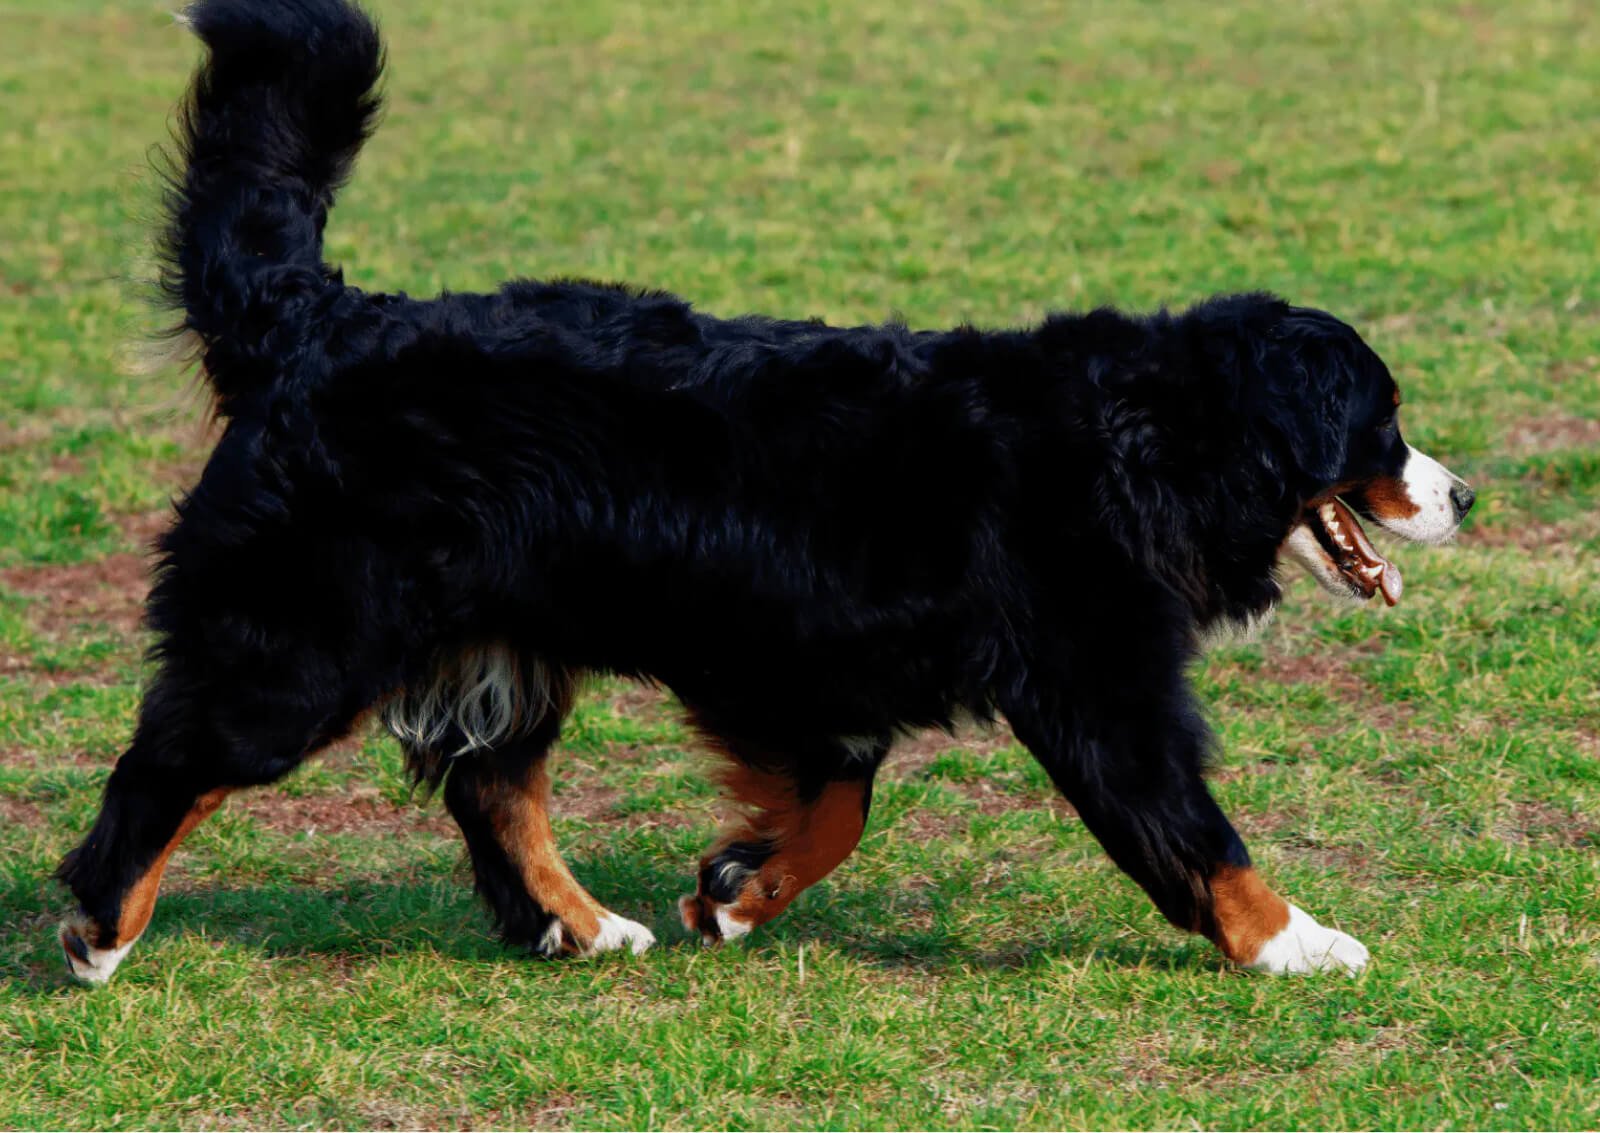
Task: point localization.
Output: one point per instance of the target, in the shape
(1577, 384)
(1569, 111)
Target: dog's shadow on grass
(369, 918)
(854, 922)
(366, 919)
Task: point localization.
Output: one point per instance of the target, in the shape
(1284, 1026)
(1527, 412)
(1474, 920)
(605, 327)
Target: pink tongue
(1391, 584)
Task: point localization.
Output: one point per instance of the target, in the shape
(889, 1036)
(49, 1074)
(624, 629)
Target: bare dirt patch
(1376, 1042)
(1543, 824)
(912, 754)
(15, 812)
(1146, 1061)
(1535, 536)
(586, 802)
(1326, 666)
(63, 466)
(1332, 668)
(142, 529)
(924, 825)
(373, 1114)
(107, 592)
(1552, 432)
(29, 759)
(635, 699)
(993, 800)
(16, 664)
(1573, 369)
(361, 812)
(1255, 769)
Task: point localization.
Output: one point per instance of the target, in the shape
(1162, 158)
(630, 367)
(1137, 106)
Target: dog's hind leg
(500, 797)
(1134, 774)
(783, 835)
(202, 733)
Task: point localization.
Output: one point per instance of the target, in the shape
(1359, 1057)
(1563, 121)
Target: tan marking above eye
(1387, 498)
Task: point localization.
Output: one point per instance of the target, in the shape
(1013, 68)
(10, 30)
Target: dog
(448, 511)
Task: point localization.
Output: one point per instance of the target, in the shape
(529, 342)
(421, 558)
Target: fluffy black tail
(267, 135)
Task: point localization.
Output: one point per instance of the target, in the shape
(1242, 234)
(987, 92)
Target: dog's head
(1336, 410)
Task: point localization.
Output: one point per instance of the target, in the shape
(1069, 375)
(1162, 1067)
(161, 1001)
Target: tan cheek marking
(811, 839)
(521, 819)
(1247, 913)
(140, 901)
(1387, 498)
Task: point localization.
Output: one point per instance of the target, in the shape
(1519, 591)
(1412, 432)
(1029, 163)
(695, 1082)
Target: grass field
(1427, 778)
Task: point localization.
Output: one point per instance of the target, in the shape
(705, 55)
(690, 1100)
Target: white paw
(617, 933)
(729, 925)
(714, 922)
(86, 963)
(1306, 946)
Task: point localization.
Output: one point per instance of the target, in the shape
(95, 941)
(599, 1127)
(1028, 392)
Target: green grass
(1427, 778)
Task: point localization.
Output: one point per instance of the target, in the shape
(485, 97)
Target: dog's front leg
(1130, 760)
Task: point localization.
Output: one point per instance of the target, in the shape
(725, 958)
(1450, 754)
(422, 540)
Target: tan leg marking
(90, 956)
(809, 840)
(141, 899)
(520, 816)
(1260, 930)
(521, 819)
(1247, 913)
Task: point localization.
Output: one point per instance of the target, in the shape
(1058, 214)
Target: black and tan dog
(450, 510)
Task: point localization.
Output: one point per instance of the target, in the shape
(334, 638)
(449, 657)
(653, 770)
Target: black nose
(1462, 496)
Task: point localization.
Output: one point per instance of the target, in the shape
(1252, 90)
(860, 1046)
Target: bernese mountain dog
(447, 511)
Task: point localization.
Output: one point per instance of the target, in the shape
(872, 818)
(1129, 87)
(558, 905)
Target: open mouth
(1347, 554)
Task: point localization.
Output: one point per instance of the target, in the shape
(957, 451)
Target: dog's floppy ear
(1311, 417)
(1310, 378)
